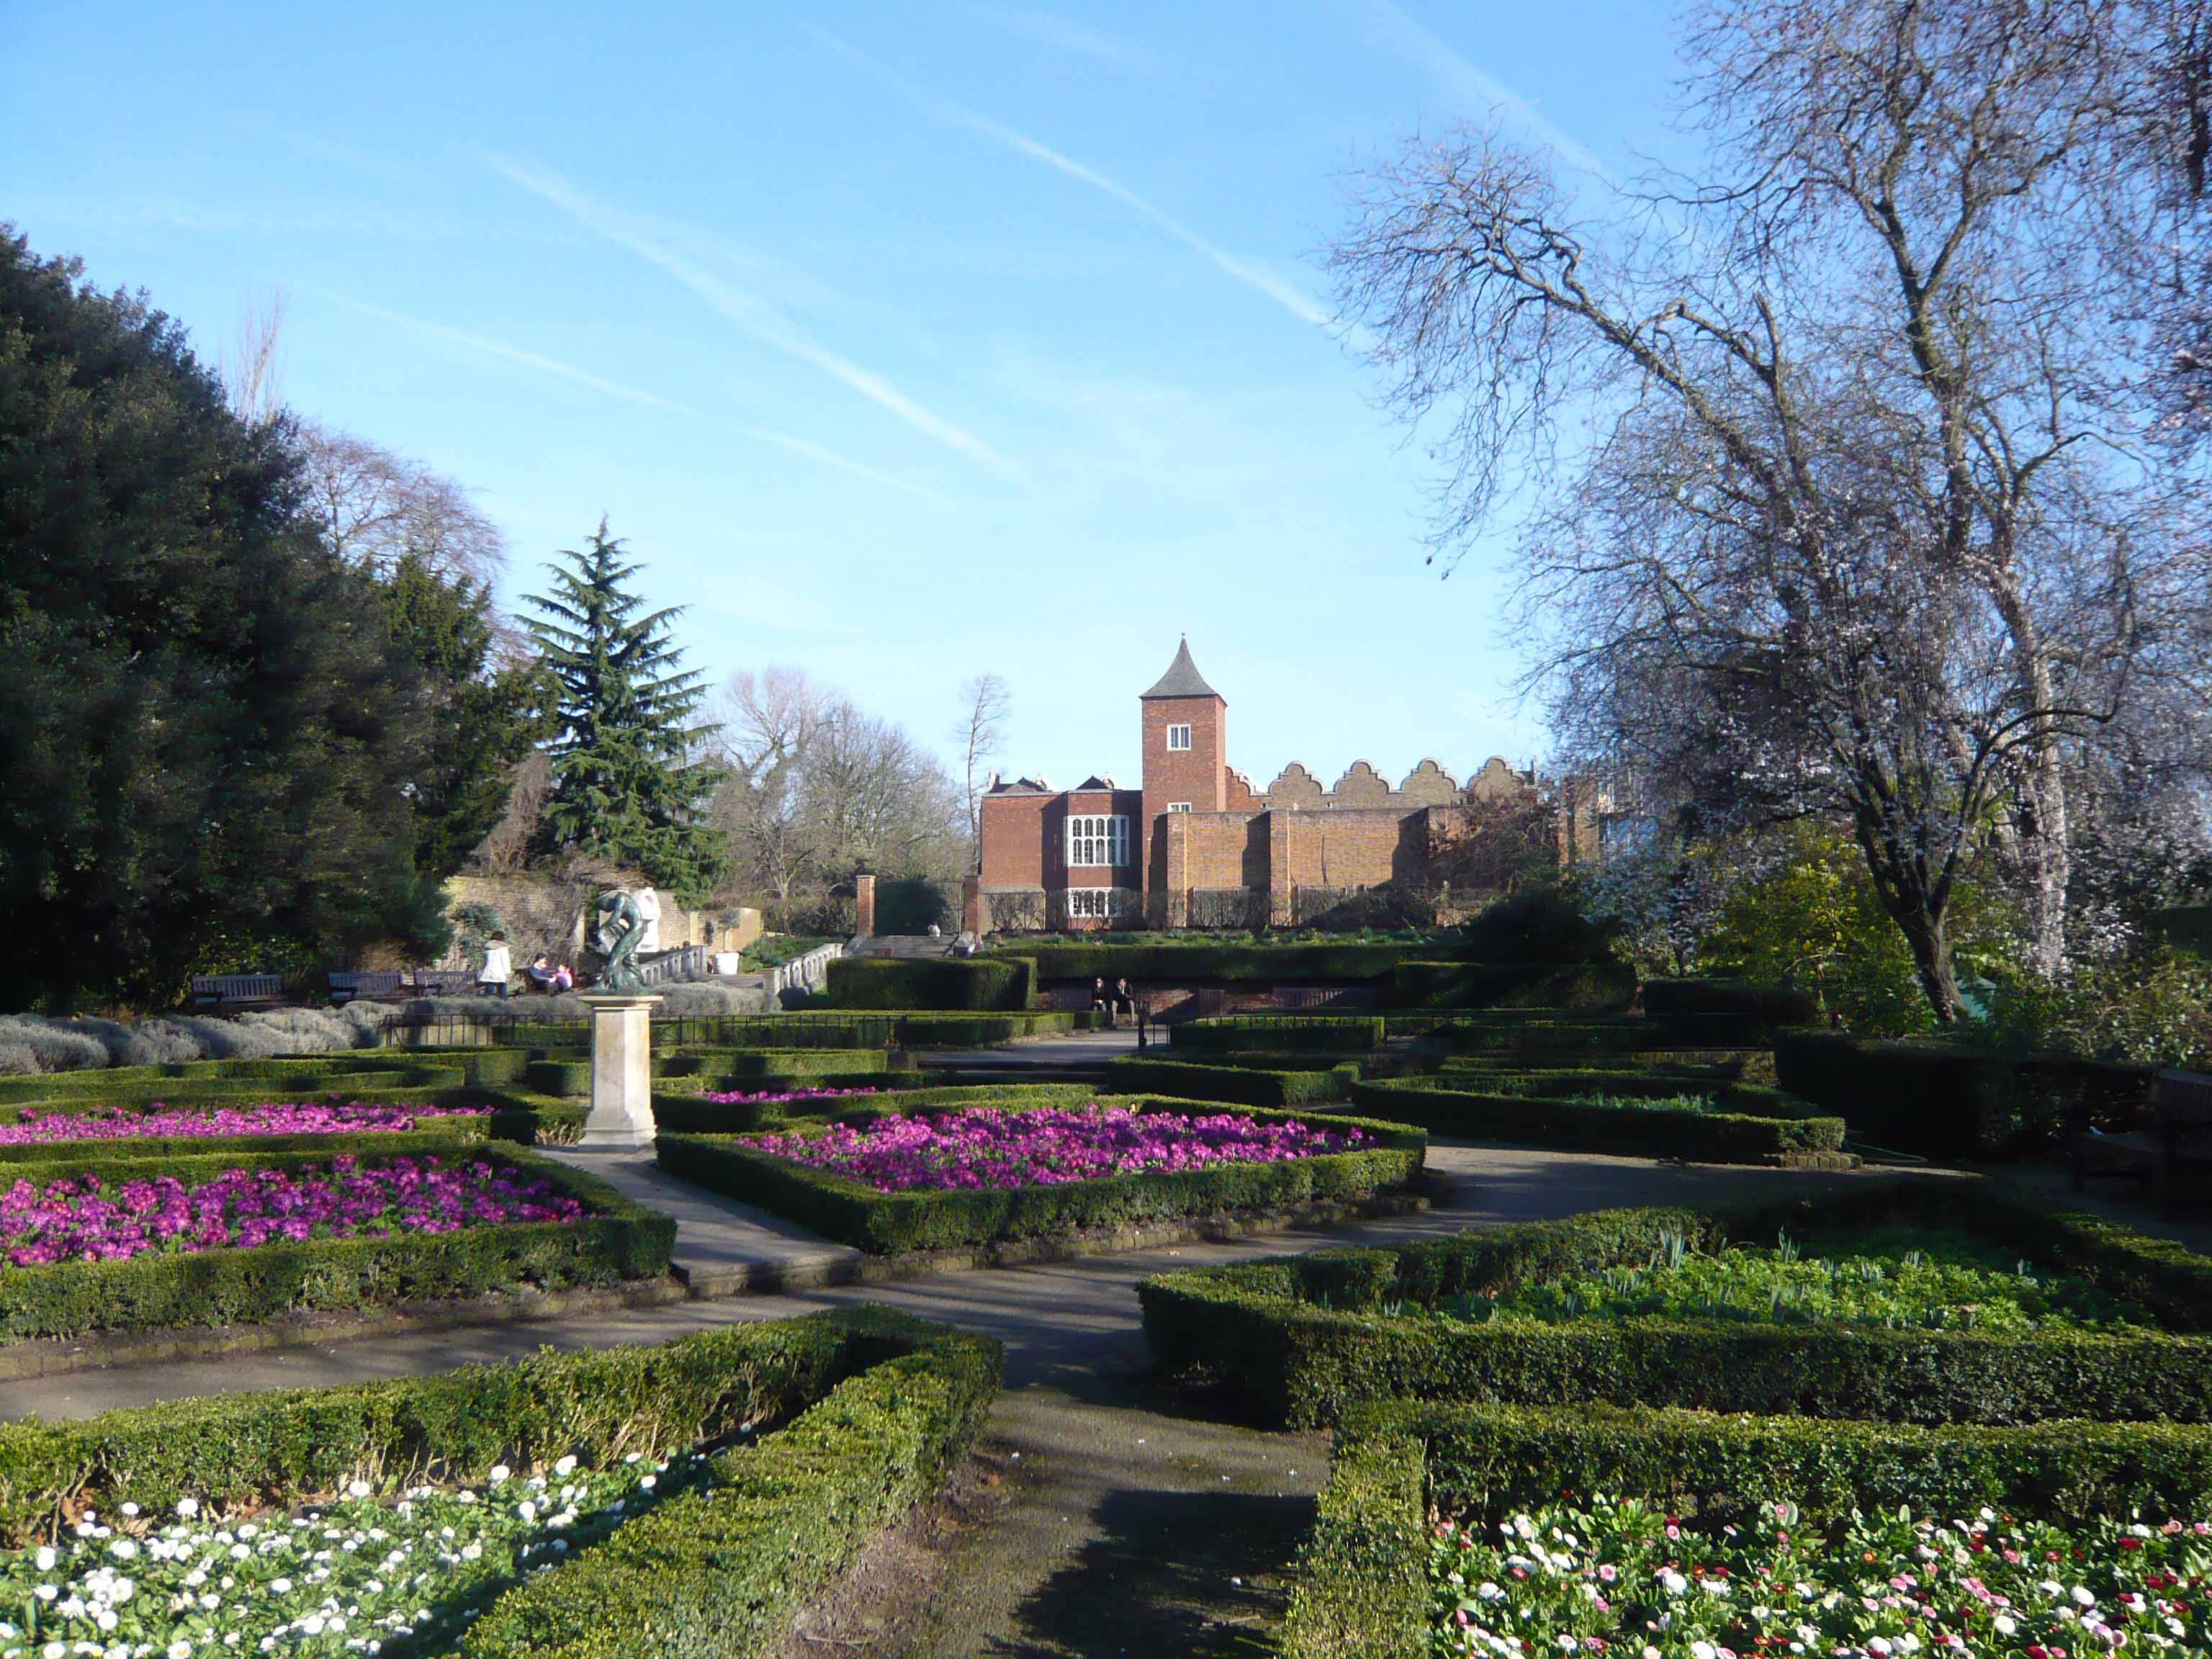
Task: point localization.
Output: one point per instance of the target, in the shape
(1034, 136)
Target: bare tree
(253, 363)
(1850, 517)
(768, 723)
(376, 507)
(979, 735)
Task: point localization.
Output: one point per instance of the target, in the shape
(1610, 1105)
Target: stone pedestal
(622, 1072)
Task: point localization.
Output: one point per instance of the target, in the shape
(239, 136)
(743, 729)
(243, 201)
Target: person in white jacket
(498, 968)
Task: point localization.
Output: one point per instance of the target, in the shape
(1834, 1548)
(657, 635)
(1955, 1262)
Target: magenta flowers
(269, 1117)
(778, 1096)
(83, 1218)
(1043, 1146)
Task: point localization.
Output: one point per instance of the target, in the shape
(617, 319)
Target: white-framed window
(1178, 806)
(1093, 903)
(1178, 737)
(1097, 841)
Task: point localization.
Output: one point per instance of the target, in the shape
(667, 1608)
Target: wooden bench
(2176, 1143)
(444, 982)
(348, 987)
(233, 990)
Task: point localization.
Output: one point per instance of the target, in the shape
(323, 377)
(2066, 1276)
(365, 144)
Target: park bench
(350, 988)
(2176, 1145)
(444, 982)
(234, 990)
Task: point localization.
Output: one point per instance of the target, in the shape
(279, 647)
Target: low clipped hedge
(989, 984)
(1282, 1033)
(1243, 1085)
(736, 1066)
(1766, 1127)
(1362, 1590)
(721, 1572)
(1302, 1341)
(569, 1078)
(617, 1240)
(1214, 962)
(809, 1028)
(1764, 1004)
(1924, 1098)
(897, 1223)
(263, 1079)
(865, 1410)
(1594, 987)
(446, 1133)
(678, 1114)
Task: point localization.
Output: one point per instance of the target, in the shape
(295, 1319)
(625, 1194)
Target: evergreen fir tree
(626, 784)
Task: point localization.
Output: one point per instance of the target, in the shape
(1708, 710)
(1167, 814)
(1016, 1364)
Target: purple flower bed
(83, 1218)
(778, 1096)
(271, 1117)
(979, 1146)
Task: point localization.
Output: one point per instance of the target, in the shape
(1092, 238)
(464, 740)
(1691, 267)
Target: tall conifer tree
(626, 782)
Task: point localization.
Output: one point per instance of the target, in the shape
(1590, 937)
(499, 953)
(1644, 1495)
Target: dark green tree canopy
(628, 783)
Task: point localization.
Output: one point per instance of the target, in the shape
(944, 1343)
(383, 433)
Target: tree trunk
(1931, 961)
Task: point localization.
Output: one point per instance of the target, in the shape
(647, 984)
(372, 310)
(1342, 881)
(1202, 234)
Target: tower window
(1178, 737)
(1178, 806)
(1097, 841)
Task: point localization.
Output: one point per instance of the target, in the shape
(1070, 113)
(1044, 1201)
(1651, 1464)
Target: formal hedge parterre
(1302, 1341)
(614, 1241)
(1592, 986)
(1761, 1127)
(764, 1063)
(989, 984)
(1924, 1097)
(816, 1432)
(1247, 1085)
(1210, 962)
(1763, 1004)
(1283, 1033)
(892, 1223)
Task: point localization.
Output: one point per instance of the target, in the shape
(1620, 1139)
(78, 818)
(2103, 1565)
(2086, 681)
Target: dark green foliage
(1485, 1458)
(1925, 1097)
(207, 765)
(618, 1241)
(1302, 1341)
(1317, 1033)
(1213, 962)
(1597, 987)
(1763, 1127)
(558, 1077)
(978, 984)
(1536, 925)
(1765, 1004)
(627, 784)
(896, 1223)
(723, 1570)
(722, 1069)
(1363, 1585)
(851, 1028)
(1249, 1086)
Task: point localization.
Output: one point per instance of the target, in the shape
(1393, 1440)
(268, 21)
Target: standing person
(498, 968)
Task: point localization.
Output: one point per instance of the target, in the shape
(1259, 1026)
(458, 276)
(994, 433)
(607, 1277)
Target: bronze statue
(620, 929)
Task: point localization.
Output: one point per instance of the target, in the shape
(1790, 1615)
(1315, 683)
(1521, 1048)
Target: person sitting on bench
(539, 973)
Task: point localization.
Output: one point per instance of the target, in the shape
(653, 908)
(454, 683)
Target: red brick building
(1195, 845)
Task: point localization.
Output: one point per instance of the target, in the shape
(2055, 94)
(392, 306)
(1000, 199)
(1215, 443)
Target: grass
(1897, 1278)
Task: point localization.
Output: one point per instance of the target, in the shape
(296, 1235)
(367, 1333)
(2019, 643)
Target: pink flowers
(777, 1096)
(82, 1218)
(271, 1117)
(979, 1146)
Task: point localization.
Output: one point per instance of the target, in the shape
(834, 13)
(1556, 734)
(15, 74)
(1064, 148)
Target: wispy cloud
(828, 457)
(1252, 273)
(491, 347)
(1049, 28)
(748, 311)
(1395, 30)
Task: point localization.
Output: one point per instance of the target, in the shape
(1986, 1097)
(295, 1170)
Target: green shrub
(1924, 1097)
(1607, 986)
(1246, 1085)
(735, 1068)
(1302, 1340)
(1755, 1131)
(1316, 1033)
(897, 1223)
(442, 1134)
(854, 1029)
(1538, 925)
(1215, 961)
(1760, 1004)
(1362, 1590)
(723, 1569)
(989, 984)
(567, 1078)
(617, 1240)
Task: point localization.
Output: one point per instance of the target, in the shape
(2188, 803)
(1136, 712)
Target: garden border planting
(1245, 1085)
(1302, 1341)
(897, 1223)
(618, 1241)
(1773, 1137)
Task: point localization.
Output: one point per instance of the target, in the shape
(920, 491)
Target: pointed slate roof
(1182, 678)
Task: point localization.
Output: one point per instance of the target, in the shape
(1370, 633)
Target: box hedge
(1245, 1085)
(1280, 1033)
(1769, 1128)
(865, 1409)
(1301, 1340)
(616, 1241)
(859, 1029)
(732, 1067)
(1759, 1005)
(1596, 987)
(1924, 1098)
(897, 1223)
(1222, 962)
(989, 984)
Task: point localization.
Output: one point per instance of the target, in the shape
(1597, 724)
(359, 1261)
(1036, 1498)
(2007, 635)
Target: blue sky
(902, 341)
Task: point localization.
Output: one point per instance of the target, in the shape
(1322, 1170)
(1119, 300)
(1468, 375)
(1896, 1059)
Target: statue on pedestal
(620, 933)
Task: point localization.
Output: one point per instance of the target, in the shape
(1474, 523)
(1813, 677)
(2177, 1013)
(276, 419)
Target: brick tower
(1185, 743)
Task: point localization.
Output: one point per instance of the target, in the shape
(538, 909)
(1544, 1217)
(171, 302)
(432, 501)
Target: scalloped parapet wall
(1362, 787)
